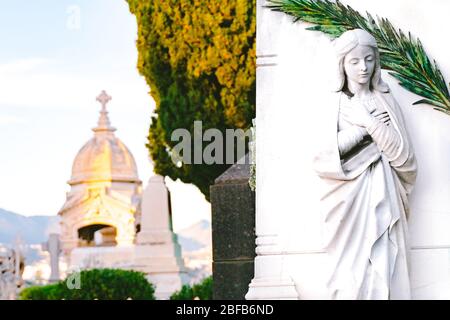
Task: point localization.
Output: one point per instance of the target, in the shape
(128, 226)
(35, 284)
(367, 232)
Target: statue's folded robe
(365, 205)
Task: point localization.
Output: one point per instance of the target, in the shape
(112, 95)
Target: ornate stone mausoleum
(108, 221)
(102, 207)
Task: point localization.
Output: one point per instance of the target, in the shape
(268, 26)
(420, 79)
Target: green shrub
(101, 284)
(202, 291)
(49, 292)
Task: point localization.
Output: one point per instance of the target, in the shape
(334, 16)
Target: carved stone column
(270, 280)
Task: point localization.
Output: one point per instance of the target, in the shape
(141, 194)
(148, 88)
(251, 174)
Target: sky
(55, 58)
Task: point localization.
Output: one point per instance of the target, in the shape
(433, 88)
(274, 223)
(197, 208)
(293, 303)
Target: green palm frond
(401, 54)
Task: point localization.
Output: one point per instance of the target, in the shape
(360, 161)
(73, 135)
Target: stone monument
(368, 169)
(53, 247)
(106, 221)
(157, 252)
(294, 70)
(11, 269)
(233, 232)
(105, 191)
(156, 216)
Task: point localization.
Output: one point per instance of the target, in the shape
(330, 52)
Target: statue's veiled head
(351, 46)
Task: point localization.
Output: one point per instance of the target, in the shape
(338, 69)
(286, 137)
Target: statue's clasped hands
(358, 115)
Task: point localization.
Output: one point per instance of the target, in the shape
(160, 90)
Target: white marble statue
(367, 168)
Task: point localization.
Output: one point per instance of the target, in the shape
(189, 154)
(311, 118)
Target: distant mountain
(33, 229)
(195, 237)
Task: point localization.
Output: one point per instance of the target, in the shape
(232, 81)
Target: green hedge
(101, 284)
(202, 291)
(49, 292)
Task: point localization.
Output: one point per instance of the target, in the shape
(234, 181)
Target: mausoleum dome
(104, 157)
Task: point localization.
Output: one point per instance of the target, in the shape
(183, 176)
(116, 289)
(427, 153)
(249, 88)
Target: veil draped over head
(364, 193)
(346, 43)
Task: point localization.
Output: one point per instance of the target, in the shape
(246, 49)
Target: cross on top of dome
(104, 98)
(104, 124)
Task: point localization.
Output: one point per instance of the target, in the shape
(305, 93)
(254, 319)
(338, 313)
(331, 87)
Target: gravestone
(158, 251)
(233, 233)
(53, 246)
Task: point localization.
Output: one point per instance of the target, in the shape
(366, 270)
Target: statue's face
(359, 64)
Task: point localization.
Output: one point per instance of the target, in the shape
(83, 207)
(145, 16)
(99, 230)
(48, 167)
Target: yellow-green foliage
(198, 57)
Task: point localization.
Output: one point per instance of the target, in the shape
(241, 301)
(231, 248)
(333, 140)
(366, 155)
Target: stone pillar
(125, 233)
(270, 281)
(233, 233)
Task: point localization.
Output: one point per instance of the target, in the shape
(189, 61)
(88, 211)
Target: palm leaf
(400, 53)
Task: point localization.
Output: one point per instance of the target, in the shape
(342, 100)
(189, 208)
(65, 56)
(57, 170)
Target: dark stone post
(233, 233)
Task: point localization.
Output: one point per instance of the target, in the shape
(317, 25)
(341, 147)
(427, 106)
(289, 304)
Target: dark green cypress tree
(198, 57)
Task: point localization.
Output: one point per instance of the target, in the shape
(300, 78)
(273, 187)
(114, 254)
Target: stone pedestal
(233, 233)
(163, 265)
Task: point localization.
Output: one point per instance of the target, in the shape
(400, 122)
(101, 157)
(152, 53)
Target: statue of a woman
(367, 166)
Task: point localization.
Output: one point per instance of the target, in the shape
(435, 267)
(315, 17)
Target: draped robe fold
(364, 202)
